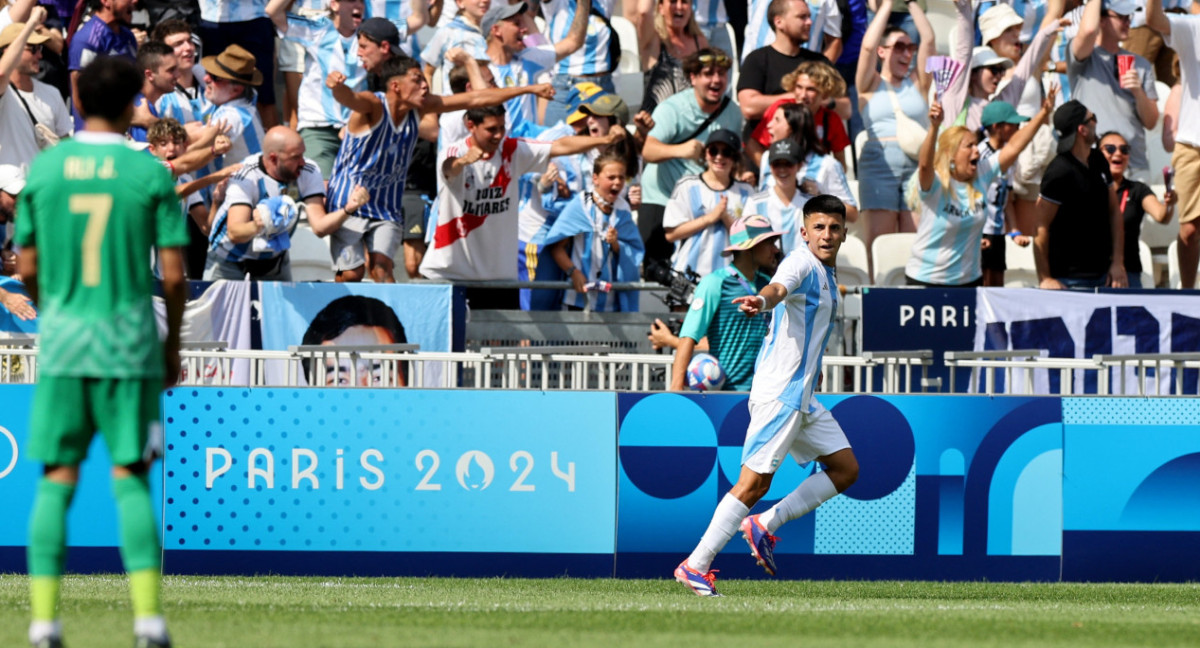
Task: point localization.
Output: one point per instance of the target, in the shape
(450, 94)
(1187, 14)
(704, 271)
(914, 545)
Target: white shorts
(777, 429)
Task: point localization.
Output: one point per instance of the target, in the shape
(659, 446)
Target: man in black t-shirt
(761, 80)
(1080, 234)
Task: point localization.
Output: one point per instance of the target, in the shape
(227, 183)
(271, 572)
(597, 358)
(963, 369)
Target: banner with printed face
(1067, 324)
(296, 314)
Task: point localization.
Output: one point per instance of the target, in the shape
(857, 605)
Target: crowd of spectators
(484, 140)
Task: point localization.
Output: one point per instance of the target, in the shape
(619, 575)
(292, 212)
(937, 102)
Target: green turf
(347, 612)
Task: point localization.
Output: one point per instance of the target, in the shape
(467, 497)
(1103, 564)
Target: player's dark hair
(170, 27)
(107, 87)
(477, 115)
(397, 66)
(825, 204)
(344, 312)
(151, 53)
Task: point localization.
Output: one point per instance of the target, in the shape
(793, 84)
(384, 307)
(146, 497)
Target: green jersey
(732, 337)
(94, 208)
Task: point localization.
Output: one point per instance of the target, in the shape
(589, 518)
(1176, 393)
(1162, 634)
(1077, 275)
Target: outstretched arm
(483, 98)
(360, 102)
(867, 77)
(925, 171)
(577, 34)
(927, 48)
(1156, 18)
(1089, 26)
(1022, 138)
(580, 143)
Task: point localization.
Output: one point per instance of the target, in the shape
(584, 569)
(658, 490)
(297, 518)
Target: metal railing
(1151, 374)
(539, 368)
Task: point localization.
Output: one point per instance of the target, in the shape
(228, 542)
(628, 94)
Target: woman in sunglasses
(888, 83)
(703, 207)
(1136, 200)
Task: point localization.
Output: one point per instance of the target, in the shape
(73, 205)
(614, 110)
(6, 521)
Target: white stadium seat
(1173, 280)
(891, 253)
(1021, 272)
(852, 263)
(628, 80)
(1147, 264)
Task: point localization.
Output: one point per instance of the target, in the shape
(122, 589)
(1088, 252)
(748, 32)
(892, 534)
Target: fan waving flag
(944, 70)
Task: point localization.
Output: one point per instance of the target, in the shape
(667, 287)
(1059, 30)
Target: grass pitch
(349, 612)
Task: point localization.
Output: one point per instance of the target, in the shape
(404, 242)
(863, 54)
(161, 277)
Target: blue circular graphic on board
(661, 470)
(882, 441)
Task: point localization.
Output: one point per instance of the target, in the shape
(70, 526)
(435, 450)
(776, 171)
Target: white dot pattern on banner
(1130, 411)
(882, 526)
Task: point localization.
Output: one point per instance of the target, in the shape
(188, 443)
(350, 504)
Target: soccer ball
(704, 374)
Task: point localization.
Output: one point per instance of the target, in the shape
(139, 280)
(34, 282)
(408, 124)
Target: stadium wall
(474, 483)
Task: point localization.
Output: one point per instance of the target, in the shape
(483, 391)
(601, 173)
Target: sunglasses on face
(996, 70)
(34, 49)
(901, 48)
(722, 151)
(1113, 148)
(719, 60)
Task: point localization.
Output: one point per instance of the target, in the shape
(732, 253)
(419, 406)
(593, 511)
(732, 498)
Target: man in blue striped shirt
(784, 417)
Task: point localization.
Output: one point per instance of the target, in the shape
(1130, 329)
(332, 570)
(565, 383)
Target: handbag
(909, 133)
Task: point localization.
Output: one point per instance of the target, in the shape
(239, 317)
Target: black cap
(380, 30)
(785, 149)
(1067, 120)
(726, 137)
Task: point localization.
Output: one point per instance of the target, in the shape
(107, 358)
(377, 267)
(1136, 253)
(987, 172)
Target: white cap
(984, 56)
(996, 19)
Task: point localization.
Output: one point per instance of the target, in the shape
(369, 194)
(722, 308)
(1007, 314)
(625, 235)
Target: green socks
(140, 550)
(48, 546)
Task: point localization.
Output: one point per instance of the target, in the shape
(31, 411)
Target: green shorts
(321, 144)
(68, 410)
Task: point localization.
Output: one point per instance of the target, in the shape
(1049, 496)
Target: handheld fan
(944, 70)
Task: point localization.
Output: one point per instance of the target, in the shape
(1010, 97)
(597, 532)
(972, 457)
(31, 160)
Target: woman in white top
(887, 79)
(950, 190)
(703, 207)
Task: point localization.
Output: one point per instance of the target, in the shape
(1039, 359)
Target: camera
(680, 285)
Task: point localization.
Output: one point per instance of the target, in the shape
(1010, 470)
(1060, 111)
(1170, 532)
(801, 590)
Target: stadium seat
(628, 80)
(1147, 260)
(852, 263)
(942, 19)
(1173, 280)
(1021, 271)
(310, 256)
(891, 253)
(736, 71)
(1156, 155)
(1157, 235)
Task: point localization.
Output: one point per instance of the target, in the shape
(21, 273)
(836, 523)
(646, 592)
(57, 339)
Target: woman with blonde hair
(948, 193)
(816, 86)
(667, 34)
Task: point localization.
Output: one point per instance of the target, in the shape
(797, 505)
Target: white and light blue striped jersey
(245, 130)
(592, 58)
(758, 33)
(227, 11)
(790, 358)
(824, 170)
(523, 70)
(250, 186)
(397, 11)
(946, 249)
(784, 217)
(826, 22)
(378, 160)
(591, 254)
(325, 51)
(184, 105)
(459, 33)
(710, 13)
(997, 193)
(692, 199)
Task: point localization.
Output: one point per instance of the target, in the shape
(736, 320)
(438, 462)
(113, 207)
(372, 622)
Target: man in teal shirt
(675, 146)
(733, 337)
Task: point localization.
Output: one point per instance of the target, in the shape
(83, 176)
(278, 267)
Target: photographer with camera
(732, 337)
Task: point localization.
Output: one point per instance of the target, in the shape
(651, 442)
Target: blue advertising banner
(977, 499)
(92, 523)
(1131, 489)
(390, 482)
(914, 319)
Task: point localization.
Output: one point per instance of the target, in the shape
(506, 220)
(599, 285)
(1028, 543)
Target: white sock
(39, 630)
(154, 627)
(725, 522)
(810, 494)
